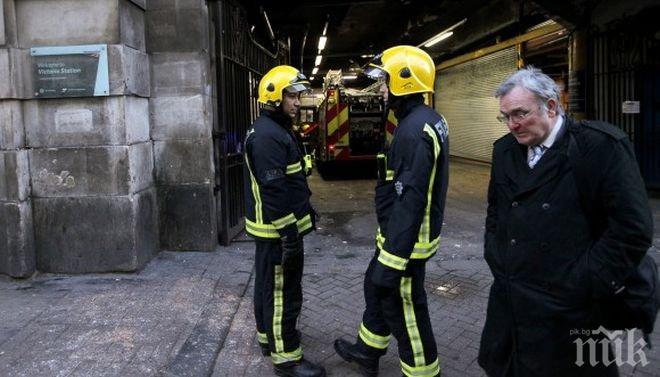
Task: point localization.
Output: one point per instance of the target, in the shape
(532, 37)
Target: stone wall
(17, 251)
(80, 171)
(101, 184)
(181, 122)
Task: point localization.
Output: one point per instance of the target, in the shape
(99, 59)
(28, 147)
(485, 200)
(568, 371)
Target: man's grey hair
(537, 82)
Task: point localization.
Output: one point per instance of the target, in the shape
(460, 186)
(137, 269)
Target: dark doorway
(238, 62)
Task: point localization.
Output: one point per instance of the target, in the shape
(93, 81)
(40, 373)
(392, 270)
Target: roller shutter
(464, 95)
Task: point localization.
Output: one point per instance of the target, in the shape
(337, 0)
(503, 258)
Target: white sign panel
(630, 107)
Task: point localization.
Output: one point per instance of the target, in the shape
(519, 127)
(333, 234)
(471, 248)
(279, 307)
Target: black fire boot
(352, 353)
(302, 368)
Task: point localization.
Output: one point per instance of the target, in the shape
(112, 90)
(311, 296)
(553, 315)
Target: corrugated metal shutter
(464, 95)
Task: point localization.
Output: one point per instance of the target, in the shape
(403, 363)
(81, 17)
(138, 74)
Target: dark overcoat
(548, 268)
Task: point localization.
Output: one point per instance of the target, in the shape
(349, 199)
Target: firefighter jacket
(411, 189)
(277, 195)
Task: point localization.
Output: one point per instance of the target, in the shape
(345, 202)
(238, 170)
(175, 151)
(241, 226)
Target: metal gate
(461, 89)
(648, 144)
(238, 62)
(626, 67)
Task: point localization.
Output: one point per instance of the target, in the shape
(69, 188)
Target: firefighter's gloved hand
(386, 277)
(292, 252)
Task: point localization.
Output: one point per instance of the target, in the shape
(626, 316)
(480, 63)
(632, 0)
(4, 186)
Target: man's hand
(292, 250)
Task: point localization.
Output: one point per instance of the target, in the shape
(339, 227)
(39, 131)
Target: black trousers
(402, 312)
(277, 302)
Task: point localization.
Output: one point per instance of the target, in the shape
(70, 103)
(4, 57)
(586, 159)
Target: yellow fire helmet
(282, 77)
(408, 70)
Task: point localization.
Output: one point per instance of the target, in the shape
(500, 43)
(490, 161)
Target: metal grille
(614, 82)
(625, 68)
(239, 62)
(648, 140)
(464, 94)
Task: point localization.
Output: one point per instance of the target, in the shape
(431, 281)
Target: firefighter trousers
(402, 312)
(277, 302)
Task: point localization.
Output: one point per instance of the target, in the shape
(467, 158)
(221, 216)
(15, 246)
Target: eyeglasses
(516, 116)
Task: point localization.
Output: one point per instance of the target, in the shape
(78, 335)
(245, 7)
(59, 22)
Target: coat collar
(278, 117)
(551, 164)
(405, 105)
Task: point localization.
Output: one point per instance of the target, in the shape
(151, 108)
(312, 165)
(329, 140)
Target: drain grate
(451, 285)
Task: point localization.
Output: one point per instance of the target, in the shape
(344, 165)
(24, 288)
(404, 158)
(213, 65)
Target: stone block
(8, 10)
(16, 79)
(187, 217)
(131, 25)
(80, 171)
(128, 71)
(77, 22)
(17, 252)
(136, 120)
(179, 74)
(95, 234)
(86, 121)
(180, 117)
(67, 22)
(184, 161)
(3, 35)
(171, 27)
(12, 133)
(14, 175)
(147, 243)
(119, 170)
(141, 166)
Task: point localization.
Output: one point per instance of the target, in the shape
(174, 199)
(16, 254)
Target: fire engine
(352, 124)
(307, 123)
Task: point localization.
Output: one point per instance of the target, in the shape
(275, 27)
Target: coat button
(514, 204)
(545, 206)
(513, 242)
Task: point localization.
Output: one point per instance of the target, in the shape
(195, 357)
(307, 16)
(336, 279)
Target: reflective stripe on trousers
(403, 312)
(277, 303)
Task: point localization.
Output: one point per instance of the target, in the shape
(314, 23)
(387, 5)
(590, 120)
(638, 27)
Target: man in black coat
(548, 268)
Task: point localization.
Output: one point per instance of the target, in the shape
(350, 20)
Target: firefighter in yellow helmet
(410, 200)
(278, 215)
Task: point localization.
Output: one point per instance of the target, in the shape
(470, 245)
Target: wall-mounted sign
(70, 71)
(630, 107)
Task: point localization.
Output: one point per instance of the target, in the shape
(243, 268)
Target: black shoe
(264, 349)
(351, 353)
(302, 368)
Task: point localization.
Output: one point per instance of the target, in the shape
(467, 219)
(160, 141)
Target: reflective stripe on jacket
(276, 191)
(410, 196)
